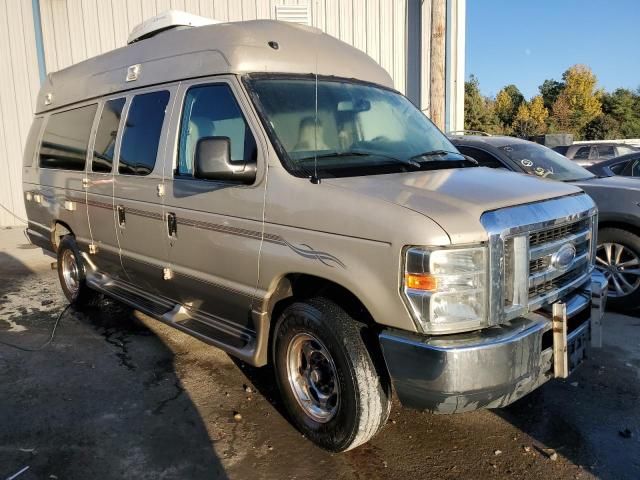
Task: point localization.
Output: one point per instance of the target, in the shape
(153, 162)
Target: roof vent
(165, 21)
(294, 14)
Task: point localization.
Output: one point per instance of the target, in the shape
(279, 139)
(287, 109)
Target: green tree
(550, 90)
(603, 127)
(478, 110)
(622, 107)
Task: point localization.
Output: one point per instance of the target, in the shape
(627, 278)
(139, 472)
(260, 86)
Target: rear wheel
(618, 257)
(327, 377)
(71, 273)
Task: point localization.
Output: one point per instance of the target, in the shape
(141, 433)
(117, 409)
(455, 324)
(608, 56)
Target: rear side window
(582, 153)
(606, 151)
(105, 144)
(32, 138)
(141, 135)
(66, 138)
(212, 111)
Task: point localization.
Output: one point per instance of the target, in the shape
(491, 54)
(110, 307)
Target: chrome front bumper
(496, 366)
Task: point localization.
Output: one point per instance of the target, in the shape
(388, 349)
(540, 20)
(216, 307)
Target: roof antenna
(314, 178)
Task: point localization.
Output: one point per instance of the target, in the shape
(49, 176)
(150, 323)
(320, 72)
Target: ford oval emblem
(564, 257)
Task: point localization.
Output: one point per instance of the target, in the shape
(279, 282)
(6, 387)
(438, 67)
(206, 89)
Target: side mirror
(213, 162)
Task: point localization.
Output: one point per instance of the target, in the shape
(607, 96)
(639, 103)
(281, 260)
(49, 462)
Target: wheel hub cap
(70, 271)
(621, 266)
(312, 377)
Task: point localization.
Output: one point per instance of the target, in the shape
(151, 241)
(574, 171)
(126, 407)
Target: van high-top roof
(236, 48)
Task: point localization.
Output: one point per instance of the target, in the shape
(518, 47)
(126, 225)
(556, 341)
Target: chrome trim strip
(542, 300)
(547, 249)
(552, 273)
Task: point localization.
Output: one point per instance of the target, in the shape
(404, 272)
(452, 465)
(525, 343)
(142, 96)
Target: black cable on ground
(53, 333)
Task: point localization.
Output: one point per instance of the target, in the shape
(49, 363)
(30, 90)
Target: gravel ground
(119, 395)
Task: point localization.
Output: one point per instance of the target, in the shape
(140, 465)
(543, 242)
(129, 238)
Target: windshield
(542, 161)
(360, 129)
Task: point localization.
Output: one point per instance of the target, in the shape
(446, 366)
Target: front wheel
(327, 377)
(618, 257)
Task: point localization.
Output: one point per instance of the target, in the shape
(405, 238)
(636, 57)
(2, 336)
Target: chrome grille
(545, 276)
(532, 261)
(556, 233)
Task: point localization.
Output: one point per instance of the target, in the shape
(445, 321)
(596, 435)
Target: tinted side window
(582, 153)
(618, 168)
(606, 151)
(105, 144)
(142, 133)
(66, 138)
(32, 138)
(485, 159)
(212, 111)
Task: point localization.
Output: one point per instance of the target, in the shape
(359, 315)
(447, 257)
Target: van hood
(456, 198)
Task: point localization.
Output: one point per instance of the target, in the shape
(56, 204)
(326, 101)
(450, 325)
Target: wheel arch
(620, 224)
(58, 230)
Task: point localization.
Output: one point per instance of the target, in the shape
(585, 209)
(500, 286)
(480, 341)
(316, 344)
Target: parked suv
(617, 198)
(590, 153)
(262, 186)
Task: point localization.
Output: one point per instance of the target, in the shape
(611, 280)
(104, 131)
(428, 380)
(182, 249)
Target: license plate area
(578, 342)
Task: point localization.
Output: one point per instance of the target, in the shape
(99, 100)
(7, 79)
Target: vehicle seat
(307, 141)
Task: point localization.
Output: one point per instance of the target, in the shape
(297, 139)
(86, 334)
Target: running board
(235, 340)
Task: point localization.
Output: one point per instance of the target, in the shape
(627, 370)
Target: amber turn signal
(420, 281)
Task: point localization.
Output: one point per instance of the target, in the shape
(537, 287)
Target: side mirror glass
(213, 162)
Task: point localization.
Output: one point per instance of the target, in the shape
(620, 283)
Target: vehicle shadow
(588, 418)
(103, 401)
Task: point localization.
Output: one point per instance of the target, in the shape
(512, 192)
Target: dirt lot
(118, 395)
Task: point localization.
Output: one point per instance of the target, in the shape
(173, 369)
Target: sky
(525, 42)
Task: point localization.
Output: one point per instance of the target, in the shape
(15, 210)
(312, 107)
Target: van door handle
(121, 216)
(172, 224)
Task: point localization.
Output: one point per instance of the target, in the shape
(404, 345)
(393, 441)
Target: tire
(621, 296)
(358, 405)
(71, 273)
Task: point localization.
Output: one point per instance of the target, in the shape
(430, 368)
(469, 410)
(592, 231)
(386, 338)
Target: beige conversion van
(262, 186)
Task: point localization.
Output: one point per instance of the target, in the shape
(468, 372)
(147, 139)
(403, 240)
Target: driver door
(215, 242)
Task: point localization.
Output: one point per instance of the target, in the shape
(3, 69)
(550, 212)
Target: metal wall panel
(77, 29)
(19, 83)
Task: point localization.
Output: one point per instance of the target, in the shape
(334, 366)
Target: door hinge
(85, 183)
(93, 249)
(161, 190)
(167, 273)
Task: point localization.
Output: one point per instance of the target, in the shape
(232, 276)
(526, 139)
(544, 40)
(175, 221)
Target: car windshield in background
(360, 129)
(542, 161)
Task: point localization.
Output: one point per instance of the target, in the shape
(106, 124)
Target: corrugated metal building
(41, 36)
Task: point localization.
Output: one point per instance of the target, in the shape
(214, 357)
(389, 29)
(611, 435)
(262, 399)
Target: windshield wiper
(438, 153)
(355, 153)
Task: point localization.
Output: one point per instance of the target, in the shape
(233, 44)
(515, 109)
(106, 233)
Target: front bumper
(496, 366)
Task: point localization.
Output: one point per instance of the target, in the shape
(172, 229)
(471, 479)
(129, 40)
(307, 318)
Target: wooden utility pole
(438, 46)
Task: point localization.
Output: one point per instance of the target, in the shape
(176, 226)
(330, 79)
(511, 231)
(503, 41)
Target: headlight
(446, 289)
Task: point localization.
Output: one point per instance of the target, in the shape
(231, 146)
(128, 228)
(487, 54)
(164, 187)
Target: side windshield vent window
(105, 143)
